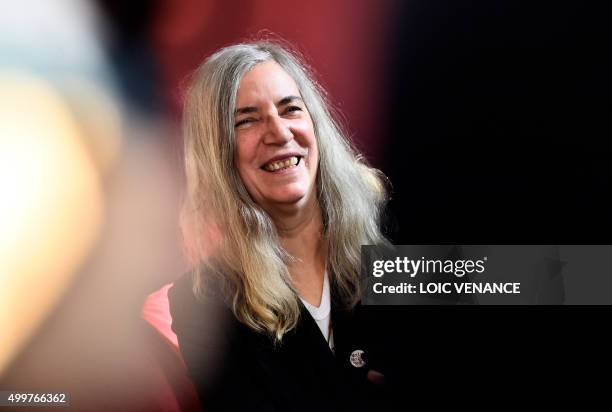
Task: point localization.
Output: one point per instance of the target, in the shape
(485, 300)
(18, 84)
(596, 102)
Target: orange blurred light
(50, 205)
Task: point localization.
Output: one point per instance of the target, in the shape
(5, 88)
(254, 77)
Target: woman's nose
(277, 131)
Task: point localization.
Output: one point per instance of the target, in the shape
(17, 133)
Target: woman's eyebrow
(245, 110)
(281, 102)
(289, 99)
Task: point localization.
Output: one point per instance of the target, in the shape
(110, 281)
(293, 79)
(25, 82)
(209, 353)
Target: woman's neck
(301, 235)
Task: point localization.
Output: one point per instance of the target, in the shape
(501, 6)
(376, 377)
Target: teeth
(271, 167)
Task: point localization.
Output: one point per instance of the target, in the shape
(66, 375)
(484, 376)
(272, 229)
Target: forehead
(266, 80)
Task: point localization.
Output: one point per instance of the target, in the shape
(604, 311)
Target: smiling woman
(278, 206)
(276, 149)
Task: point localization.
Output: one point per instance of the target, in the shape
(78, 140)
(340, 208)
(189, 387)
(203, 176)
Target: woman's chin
(289, 197)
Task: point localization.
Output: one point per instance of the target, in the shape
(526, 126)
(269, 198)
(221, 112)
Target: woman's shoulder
(183, 293)
(195, 312)
(181, 288)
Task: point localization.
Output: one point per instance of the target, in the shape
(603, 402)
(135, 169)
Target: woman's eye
(292, 109)
(243, 122)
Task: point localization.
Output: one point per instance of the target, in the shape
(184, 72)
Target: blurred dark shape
(130, 20)
(499, 122)
(130, 52)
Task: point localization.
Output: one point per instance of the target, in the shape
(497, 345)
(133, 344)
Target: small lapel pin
(356, 358)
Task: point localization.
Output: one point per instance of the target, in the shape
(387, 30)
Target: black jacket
(235, 368)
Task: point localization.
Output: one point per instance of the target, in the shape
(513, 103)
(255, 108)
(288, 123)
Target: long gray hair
(229, 238)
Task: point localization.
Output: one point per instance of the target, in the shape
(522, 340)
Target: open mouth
(282, 164)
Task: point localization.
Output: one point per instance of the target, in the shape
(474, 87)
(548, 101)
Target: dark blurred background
(491, 119)
(499, 122)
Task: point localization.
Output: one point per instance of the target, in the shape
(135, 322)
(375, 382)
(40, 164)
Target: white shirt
(322, 314)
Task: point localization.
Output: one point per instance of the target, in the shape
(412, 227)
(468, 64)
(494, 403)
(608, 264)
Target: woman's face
(276, 150)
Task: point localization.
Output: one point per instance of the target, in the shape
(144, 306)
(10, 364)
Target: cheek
(313, 149)
(314, 166)
(244, 155)
(306, 133)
